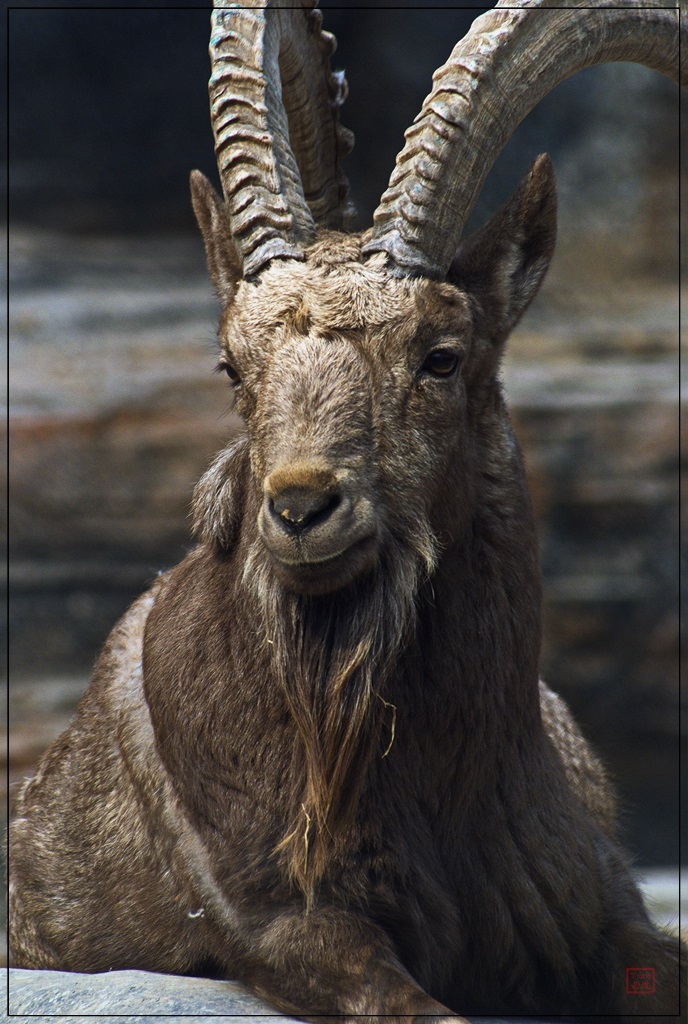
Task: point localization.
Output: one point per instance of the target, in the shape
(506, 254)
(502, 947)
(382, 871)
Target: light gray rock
(42, 995)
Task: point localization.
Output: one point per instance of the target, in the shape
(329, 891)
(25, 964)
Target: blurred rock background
(114, 412)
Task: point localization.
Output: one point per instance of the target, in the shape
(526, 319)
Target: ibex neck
(478, 637)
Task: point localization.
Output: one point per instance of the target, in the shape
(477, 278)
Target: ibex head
(366, 365)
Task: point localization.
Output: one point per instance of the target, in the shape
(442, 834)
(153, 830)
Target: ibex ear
(219, 497)
(224, 265)
(503, 264)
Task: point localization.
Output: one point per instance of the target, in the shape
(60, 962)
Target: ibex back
(316, 756)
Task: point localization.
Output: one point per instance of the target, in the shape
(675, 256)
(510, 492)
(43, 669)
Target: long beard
(333, 656)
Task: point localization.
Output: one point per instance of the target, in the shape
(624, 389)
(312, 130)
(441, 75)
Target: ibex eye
(442, 363)
(231, 372)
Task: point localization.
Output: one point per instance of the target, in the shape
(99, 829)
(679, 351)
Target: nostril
(297, 510)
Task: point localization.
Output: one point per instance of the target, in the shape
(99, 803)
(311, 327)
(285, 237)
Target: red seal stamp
(640, 981)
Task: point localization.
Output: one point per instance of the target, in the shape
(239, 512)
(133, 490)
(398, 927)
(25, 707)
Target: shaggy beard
(333, 655)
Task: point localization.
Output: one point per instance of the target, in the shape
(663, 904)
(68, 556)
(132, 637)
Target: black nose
(297, 509)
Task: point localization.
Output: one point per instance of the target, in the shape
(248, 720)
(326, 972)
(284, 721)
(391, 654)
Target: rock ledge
(43, 995)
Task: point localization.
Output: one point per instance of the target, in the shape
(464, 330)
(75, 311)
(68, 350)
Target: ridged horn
(274, 111)
(312, 95)
(510, 58)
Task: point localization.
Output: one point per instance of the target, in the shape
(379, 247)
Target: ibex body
(315, 756)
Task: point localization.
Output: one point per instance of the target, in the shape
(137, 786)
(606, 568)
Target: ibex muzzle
(318, 525)
(325, 726)
(303, 496)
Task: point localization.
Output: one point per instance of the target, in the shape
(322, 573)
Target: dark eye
(231, 372)
(442, 362)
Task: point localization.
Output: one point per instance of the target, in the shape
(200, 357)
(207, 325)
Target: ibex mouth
(326, 573)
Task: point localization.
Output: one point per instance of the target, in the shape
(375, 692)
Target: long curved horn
(312, 95)
(497, 73)
(274, 110)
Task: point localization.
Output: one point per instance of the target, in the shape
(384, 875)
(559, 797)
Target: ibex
(316, 756)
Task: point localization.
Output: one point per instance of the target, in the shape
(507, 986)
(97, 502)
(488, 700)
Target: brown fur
(319, 759)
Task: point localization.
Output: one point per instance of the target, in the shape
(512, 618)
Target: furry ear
(224, 264)
(219, 496)
(504, 264)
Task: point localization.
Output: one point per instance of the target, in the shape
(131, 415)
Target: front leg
(335, 963)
